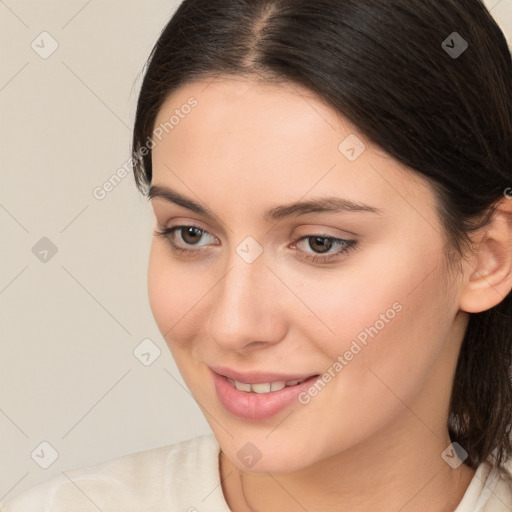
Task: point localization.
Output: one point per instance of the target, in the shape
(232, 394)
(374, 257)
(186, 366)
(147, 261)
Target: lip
(255, 406)
(258, 377)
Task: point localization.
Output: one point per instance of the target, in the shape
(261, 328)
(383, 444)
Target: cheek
(171, 293)
(394, 343)
(393, 365)
(392, 314)
(374, 285)
(393, 368)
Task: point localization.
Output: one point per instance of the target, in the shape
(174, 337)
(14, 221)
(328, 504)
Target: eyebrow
(320, 205)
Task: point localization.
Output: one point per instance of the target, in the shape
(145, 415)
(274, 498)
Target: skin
(372, 438)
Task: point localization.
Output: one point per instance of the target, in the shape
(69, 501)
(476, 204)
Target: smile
(264, 387)
(265, 395)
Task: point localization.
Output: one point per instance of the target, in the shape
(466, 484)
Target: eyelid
(322, 230)
(184, 222)
(166, 219)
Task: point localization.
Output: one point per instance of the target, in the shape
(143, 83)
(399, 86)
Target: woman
(332, 260)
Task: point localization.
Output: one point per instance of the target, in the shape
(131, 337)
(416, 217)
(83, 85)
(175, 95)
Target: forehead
(240, 91)
(251, 111)
(268, 138)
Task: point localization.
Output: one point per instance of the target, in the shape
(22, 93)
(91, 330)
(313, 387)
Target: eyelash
(348, 245)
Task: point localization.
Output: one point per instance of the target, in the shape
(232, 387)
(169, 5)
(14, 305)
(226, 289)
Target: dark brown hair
(391, 68)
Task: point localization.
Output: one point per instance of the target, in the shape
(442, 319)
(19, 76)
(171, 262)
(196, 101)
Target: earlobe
(488, 274)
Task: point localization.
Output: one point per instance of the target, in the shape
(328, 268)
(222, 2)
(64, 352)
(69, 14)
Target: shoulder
(497, 495)
(502, 488)
(142, 481)
(490, 490)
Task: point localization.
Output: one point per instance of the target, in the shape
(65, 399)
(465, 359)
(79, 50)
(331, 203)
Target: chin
(275, 463)
(256, 453)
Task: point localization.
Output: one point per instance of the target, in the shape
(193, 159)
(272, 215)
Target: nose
(246, 312)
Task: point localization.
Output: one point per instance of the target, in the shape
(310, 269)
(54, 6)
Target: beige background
(70, 324)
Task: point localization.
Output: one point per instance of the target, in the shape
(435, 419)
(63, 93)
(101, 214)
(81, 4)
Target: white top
(185, 477)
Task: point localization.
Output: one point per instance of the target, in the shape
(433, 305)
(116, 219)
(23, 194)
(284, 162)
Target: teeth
(242, 386)
(276, 386)
(261, 388)
(264, 387)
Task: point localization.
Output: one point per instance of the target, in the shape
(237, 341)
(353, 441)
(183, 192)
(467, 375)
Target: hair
(383, 65)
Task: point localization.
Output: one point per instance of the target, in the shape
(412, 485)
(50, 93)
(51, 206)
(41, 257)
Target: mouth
(266, 387)
(257, 396)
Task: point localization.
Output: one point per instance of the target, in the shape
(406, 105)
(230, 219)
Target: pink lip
(257, 377)
(254, 406)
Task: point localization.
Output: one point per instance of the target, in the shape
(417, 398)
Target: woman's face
(351, 293)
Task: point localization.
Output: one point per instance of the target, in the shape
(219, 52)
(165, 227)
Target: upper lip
(255, 377)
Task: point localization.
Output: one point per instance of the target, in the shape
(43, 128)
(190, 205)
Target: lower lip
(255, 406)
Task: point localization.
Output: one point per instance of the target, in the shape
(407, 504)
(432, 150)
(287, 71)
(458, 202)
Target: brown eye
(320, 244)
(191, 235)
(323, 249)
(193, 239)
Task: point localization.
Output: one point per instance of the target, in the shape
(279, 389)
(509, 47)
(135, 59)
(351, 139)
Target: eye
(321, 246)
(189, 235)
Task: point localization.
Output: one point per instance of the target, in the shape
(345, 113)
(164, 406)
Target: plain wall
(70, 321)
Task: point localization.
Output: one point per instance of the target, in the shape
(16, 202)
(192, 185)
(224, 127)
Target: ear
(488, 272)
